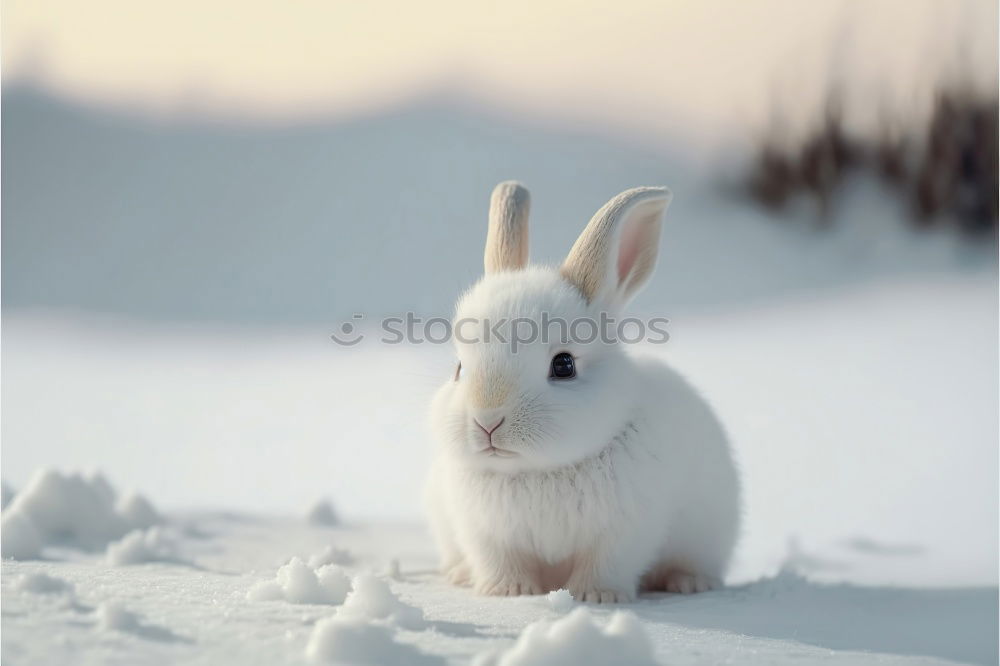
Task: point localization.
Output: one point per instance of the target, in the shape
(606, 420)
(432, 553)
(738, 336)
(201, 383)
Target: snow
(354, 641)
(141, 546)
(301, 583)
(112, 616)
(76, 509)
(331, 555)
(560, 600)
(576, 640)
(6, 494)
(138, 511)
(19, 537)
(41, 583)
(393, 571)
(431, 161)
(322, 513)
(372, 599)
(783, 619)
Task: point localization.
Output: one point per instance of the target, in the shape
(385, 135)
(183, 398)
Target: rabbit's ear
(616, 253)
(507, 238)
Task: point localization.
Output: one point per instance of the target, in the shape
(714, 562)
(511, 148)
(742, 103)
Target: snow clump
(18, 536)
(112, 616)
(138, 511)
(76, 510)
(322, 513)
(42, 584)
(356, 641)
(331, 555)
(561, 601)
(372, 599)
(299, 583)
(576, 640)
(141, 546)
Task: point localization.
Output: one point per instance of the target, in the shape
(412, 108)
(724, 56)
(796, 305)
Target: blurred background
(195, 195)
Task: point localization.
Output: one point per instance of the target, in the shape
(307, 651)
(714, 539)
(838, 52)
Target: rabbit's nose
(489, 426)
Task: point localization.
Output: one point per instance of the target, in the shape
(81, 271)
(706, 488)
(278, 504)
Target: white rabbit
(601, 471)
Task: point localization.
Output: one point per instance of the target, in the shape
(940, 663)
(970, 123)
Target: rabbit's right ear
(507, 237)
(616, 253)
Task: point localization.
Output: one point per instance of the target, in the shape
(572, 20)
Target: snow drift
(331, 555)
(73, 509)
(561, 601)
(142, 546)
(322, 513)
(41, 583)
(576, 640)
(355, 641)
(301, 583)
(371, 598)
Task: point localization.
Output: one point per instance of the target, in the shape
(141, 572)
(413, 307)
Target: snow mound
(73, 509)
(322, 513)
(393, 570)
(18, 537)
(355, 641)
(561, 601)
(331, 555)
(138, 511)
(42, 584)
(576, 640)
(372, 599)
(141, 546)
(112, 616)
(299, 583)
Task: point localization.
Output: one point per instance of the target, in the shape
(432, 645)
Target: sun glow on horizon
(644, 65)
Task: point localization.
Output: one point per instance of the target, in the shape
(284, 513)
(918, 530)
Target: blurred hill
(108, 211)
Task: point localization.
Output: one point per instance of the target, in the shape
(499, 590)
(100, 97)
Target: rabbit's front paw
(681, 582)
(595, 595)
(458, 574)
(509, 586)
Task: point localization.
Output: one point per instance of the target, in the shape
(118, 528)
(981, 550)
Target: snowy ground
(864, 421)
(201, 613)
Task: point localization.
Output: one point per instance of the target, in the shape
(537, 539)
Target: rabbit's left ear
(615, 255)
(507, 237)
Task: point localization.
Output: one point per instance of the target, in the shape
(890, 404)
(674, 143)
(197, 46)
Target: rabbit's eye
(563, 366)
(458, 371)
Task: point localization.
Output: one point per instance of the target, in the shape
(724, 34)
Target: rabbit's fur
(618, 479)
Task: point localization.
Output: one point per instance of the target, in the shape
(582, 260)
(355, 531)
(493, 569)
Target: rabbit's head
(538, 383)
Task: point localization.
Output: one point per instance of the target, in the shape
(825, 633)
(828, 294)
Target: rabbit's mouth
(492, 451)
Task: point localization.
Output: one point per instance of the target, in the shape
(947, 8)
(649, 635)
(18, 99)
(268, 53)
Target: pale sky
(646, 65)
